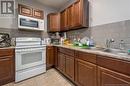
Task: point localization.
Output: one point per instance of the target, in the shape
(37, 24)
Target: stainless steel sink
(110, 50)
(95, 48)
(116, 51)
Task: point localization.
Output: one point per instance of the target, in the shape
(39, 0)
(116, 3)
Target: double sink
(112, 51)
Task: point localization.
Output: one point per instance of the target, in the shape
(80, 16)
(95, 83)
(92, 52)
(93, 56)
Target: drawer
(114, 64)
(87, 57)
(6, 52)
(66, 51)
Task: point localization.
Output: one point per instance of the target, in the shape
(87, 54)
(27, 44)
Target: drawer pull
(4, 59)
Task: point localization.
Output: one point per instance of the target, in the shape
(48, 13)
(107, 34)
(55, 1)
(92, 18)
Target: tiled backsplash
(21, 33)
(118, 31)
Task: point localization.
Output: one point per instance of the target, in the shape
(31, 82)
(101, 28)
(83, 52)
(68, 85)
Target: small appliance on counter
(5, 40)
(55, 41)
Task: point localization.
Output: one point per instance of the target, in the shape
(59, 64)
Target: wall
(108, 19)
(108, 11)
(9, 24)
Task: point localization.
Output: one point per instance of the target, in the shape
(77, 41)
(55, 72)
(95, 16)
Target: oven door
(27, 58)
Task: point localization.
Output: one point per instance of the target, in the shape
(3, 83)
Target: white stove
(30, 57)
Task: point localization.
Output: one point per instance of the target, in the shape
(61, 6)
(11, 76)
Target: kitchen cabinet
(61, 62)
(7, 70)
(38, 13)
(69, 66)
(85, 69)
(66, 62)
(85, 73)
(63, 21)
(25, 10)
(30, 12)
(114, 64)
(88, 69)
(53, 22)
(112, 71)
(55, 56)
(50, 57)
(75, 16)
(81, 14)
(70, 17)
(108, 77)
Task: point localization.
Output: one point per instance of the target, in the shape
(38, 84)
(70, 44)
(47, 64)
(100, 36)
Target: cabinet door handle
(4, 59)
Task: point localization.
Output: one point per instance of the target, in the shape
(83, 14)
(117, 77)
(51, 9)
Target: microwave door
(25, 23)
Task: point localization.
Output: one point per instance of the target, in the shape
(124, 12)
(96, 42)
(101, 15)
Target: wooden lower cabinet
(61, 62)
(108, 77)
(69, 67)
(85, 73)
(86, 69)
(50, 59)
(6, 67)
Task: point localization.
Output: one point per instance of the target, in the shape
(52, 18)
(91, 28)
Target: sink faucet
(108, 43)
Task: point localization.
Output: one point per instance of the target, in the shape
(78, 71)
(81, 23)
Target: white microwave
(30, 23)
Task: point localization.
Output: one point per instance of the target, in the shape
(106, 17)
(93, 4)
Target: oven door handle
(31, 50)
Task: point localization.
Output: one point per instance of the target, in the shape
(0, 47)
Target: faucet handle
(112, 40)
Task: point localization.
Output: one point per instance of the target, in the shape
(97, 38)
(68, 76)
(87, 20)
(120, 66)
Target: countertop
(97, 52)
(11, 47)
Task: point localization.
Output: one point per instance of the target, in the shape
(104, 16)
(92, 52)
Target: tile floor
(50, 78)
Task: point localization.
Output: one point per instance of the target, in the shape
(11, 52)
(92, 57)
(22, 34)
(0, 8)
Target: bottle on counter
(122, 45)
(90, 42)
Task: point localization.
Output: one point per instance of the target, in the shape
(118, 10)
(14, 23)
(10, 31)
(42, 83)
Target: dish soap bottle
(91, 42)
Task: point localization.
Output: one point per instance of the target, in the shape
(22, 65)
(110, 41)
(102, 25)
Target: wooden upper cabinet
(63, 21)
(70, 17)
(53, 22)
(38, 14)
(108, 77)
(30, 12)
(81, 14)
(25, 10)
(77, 13)
(75, 16)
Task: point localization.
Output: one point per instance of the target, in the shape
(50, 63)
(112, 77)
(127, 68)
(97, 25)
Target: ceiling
(54, 3)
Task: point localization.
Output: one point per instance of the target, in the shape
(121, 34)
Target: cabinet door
(70, 16)
(54, 22)
(78, 13)
(64, 20)
(61, 62)
(38, 14)
(108, 77)
(6, 69)
(69, 67)
(25, 10)
(85, 73)
(55, 56)
(50, 56)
